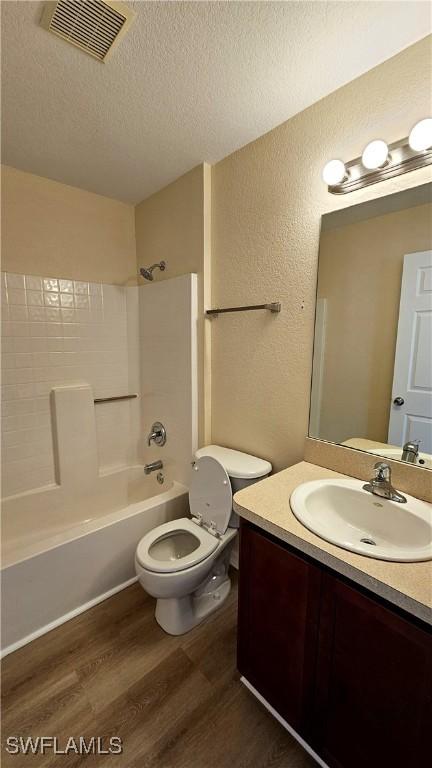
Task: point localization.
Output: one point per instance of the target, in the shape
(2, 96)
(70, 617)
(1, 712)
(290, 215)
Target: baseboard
(284, 723)
(66, 617)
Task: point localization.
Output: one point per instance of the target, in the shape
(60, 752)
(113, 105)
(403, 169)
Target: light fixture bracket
(401, 160)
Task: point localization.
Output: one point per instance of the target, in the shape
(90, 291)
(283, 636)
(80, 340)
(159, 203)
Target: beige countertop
(266, 504)
(363, 444)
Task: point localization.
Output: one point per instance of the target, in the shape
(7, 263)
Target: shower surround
(58, 332)
(72, 468)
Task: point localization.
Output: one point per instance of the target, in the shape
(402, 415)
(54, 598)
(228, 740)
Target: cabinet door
(373, 698)
(278, 616)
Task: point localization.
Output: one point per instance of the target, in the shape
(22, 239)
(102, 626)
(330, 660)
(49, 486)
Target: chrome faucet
(410, 452)
(152, 467)
(380, 485)
(157, 435)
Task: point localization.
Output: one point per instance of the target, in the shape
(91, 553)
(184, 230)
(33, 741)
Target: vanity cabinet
(352, 676)
(373, 697)
(278, 625)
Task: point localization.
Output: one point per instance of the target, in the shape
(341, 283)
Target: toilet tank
(242, 468)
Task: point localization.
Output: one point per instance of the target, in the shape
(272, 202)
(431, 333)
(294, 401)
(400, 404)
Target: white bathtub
(63, 553)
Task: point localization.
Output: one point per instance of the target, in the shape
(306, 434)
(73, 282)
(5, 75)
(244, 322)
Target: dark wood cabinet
(373, 686)
(278, 619)
(350, 674)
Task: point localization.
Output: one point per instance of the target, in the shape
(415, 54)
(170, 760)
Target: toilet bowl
(184, 563)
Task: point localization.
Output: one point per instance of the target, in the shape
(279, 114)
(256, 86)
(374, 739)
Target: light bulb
(420, 137)
(334, 172)
(375, 155)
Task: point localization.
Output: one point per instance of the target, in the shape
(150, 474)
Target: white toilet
(184, 563)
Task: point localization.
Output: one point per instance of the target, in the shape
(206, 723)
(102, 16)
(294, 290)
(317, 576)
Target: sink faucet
(380, 485)
(410, 452)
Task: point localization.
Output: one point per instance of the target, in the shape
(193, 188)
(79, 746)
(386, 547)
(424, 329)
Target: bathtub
(62, 553)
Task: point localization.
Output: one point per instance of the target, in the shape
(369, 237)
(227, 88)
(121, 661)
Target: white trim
(66, 617)
(318, 367)
(194, 361)
(284, 723)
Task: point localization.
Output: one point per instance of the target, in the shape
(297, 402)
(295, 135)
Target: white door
(411, 409)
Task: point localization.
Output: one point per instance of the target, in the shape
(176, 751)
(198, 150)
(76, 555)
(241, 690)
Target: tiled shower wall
(58, 332)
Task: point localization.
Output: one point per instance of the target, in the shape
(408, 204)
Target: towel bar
(274, 306)
(112, 399)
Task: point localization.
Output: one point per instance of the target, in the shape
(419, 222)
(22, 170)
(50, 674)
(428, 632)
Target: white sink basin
(341, 512)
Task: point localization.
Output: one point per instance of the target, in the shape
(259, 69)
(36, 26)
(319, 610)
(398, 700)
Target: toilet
(184, 563)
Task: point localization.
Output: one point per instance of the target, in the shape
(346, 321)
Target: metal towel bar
(112, 399)
(274, 306)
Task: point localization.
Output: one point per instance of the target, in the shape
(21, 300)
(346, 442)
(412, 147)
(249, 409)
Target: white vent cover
(92, 25)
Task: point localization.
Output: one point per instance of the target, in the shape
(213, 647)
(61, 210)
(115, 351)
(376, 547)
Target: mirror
(372, 366)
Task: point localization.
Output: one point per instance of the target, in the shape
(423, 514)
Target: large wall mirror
(372, 367)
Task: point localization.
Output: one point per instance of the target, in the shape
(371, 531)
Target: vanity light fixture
(381, 161)
(420, 138)
(375, 155)
(334, 172)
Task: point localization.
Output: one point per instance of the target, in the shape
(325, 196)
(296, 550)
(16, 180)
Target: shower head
(147, 272)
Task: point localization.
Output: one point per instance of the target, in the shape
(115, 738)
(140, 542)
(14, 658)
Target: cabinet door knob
(398, 401)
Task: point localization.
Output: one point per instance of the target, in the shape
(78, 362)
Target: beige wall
(52, 229)
(360, 273)
(169, 226)
(267, 202)
(173, 225)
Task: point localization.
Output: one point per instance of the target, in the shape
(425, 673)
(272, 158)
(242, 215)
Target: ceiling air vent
(95, 26)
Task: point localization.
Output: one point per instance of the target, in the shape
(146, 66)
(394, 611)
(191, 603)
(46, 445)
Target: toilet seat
(210, 500)
(206, 545)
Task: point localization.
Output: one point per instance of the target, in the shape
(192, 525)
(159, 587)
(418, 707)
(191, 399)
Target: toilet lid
(210, 493)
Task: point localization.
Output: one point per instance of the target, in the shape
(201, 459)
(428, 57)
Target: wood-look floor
(175, 702)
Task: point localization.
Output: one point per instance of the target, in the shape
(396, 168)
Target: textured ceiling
(191, 82)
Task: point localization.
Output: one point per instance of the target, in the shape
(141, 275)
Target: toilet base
(179, 615)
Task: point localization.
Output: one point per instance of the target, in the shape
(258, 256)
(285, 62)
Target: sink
(341, 512)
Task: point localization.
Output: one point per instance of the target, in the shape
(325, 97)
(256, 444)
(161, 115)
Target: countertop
(266, 504)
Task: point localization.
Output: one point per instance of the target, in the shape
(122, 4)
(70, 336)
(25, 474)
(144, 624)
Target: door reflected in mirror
(372, 366)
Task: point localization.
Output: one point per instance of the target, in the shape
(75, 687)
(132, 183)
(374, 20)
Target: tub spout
(153, 467)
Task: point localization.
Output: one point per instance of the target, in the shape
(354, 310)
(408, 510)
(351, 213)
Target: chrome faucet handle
(158, 435)
(411, 445)
(380, 485)
(382, 472)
